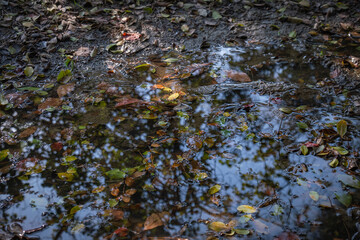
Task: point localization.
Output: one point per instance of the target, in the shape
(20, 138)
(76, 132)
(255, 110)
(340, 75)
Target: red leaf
(122, 232)
(310, 144)
(131, 36)
(56, 146)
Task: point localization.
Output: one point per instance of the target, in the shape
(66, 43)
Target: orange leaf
(238, 76)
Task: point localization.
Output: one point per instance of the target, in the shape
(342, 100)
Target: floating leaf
(218, 226)
(98, 189)
(302, 125)
(241, 231)
(285, 110)
(4, 153)
(173, 96)
(344, 198)
(334, 163)
(245, 218)
(66, 176)
(77, 228)
(216, 15)
(341, 127)
(171, 60)
(314, 195)
(349, 180)
(304, 150)
(201, 176)
(113, 202)
(70, 158)
(115, 174)
(28, 71)
(75, 209)
(246, 209)
(341, 150)
(214, 189)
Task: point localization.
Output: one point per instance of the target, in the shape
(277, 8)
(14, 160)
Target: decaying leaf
(237, 76)
(214, 189)
(246, 209)
(341, 128)
(65, 89)
(156, 220)
(49, 102)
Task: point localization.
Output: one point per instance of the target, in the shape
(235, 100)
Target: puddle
(143, 155)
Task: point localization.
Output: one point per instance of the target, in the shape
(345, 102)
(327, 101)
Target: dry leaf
(156, 220)
(27, 132)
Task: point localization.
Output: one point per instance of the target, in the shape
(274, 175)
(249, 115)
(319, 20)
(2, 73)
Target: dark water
(167, 154)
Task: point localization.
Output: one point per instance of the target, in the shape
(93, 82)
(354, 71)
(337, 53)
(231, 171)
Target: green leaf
(292, 34)
(349, 180)
(314, 195)
(201, 176)
(241, 231)
(115, 174)
(245, 218)
(142, 67)
(341, 150)
(75, 209)
(113, 202)
(28, 71)
(302, 125)
(66, 176)
(28, 89)
(218, 226)
(341, 128)
(246, 209)
(11, 50)
(110, 46)
(171, 60)
(285, 110)
(304, 150)
(64, 76)
(344, 198)
(216, 15)
(334, 163)
(214, 189)
(148, 10)
(70, 158)
(4, 153)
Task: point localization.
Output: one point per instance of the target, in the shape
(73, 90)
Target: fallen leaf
(237, 76)
(344, 198)
(314, 195)
(29, 71)
(49, 102)
(218, 226)
(27, 132)
(246, 209)
(173, 96)
(156, 220)
(56, 146)
(126, 101)
(216, 15)
(65, 89)
(121, 232)
(349, 180)
(341, 128)
(131, 36)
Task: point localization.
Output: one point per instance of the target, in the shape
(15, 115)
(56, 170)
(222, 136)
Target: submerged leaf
(75, 209)
(214, 189)
(304, 149)
(349, 180)
(344, 198)
(155, 220)
(341, 128)
(334, 163)
(245, 218)
(216, 15)
(341, 150)
(246, 209)
(241, 231)
(77, 228)
(285, 110)
(4, 153)
(173, 96)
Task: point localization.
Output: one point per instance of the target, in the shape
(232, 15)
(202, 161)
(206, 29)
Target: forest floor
(45, 34)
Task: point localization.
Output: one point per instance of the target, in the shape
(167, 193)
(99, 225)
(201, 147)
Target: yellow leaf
(173, 96)
(166, 89)
(218, 226)
(246, 209)
(98, 189)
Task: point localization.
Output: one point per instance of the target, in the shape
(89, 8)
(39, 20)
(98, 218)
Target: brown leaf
(65, 89)
(129, 181)
(56, 146)
(117, 214)
(50, 102)
(238, 76)
(156, 220)
(27, 132)
(126, 101)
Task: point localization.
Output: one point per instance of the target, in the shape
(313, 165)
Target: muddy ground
(100, 35)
